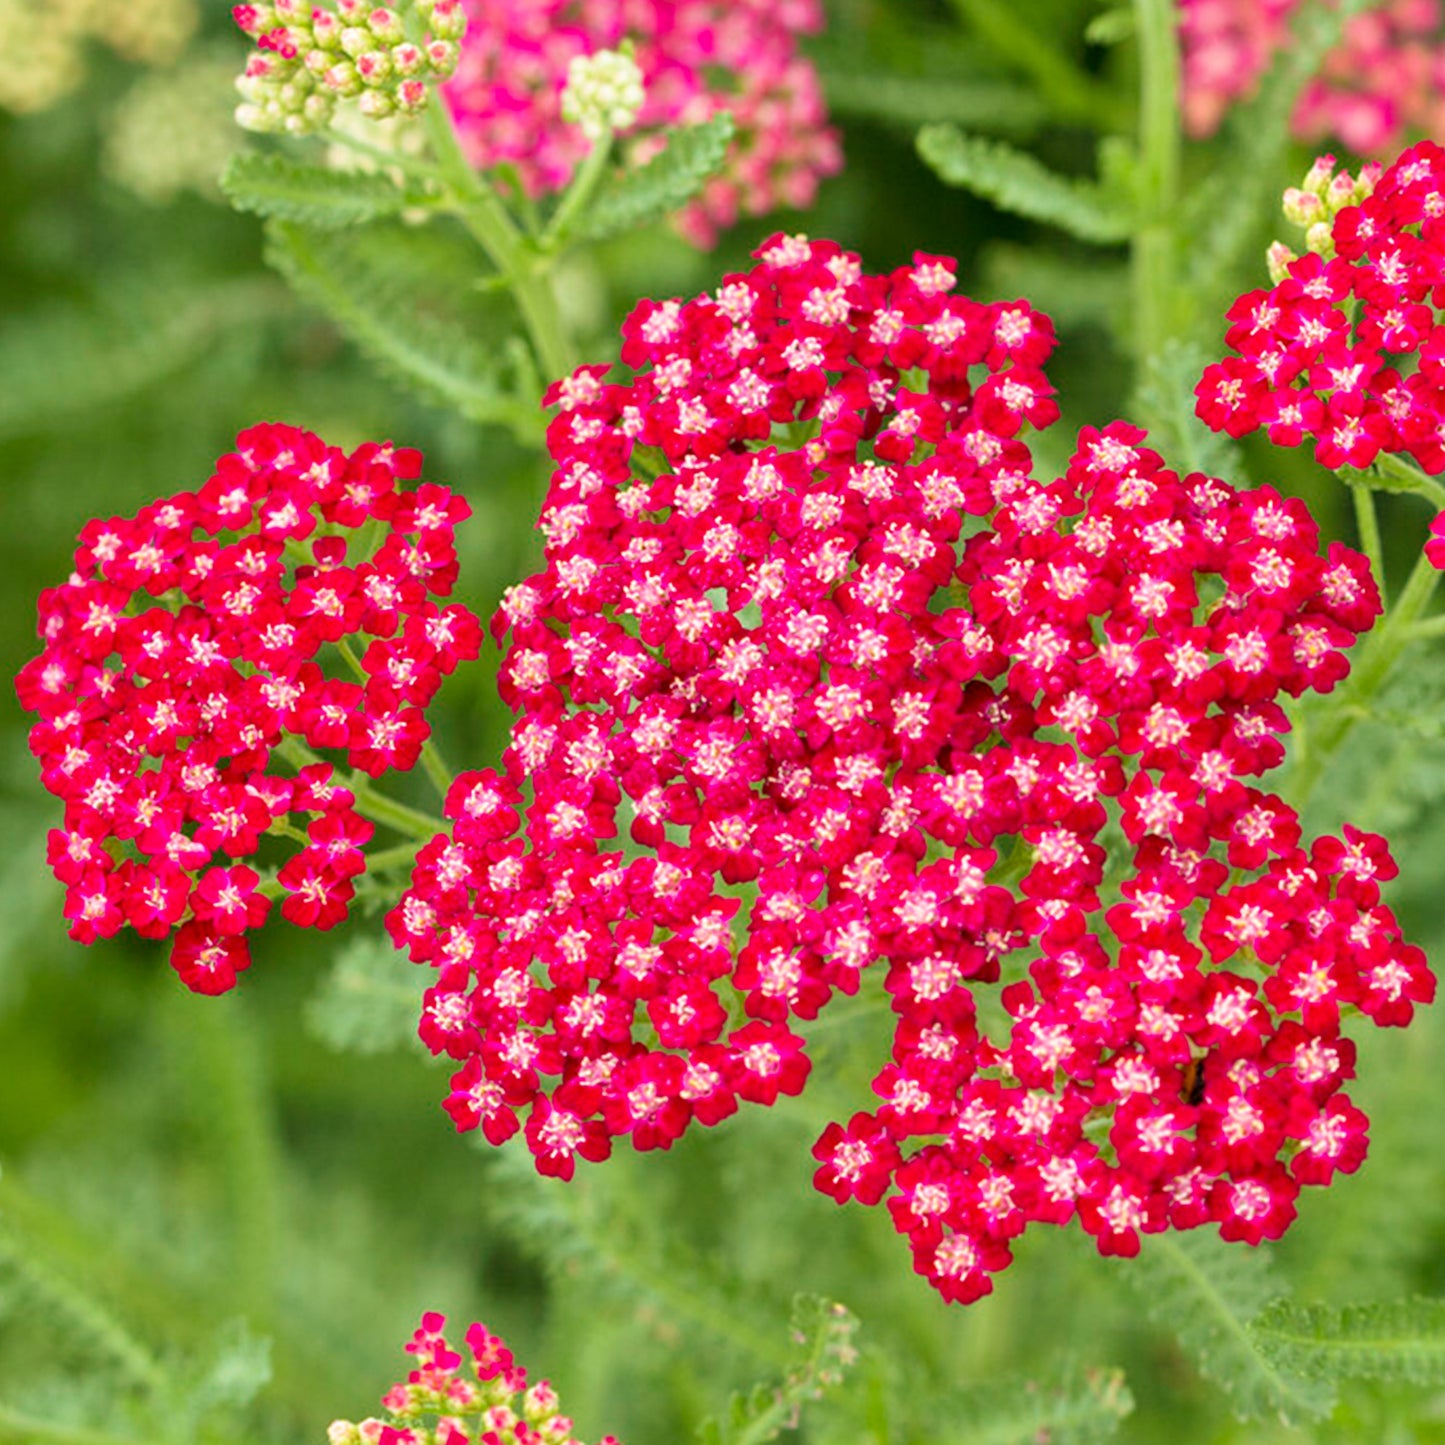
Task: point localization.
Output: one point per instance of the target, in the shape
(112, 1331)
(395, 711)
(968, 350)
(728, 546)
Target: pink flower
(867, 695)
(462, 1400)
(180, 659)
(1382, 81)
(697, 57)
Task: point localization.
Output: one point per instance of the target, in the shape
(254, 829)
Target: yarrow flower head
(1381, 81)
(522, 58)
(309, 56)
(603, 93)
(1346, 349)
(188, 654)
(448, 1399)
(872, 700)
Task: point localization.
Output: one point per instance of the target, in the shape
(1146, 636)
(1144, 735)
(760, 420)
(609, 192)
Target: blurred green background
(182, 1178)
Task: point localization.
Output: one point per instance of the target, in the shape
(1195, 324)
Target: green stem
(584, 184)
(435, 768)
(1391, 465)
(16, 1425)
(1369, 676)
(1368, 521)
(402, 856)
(369, 803)
(507, 246)
(1432, 627)
(1073, 94)
(1159, 156)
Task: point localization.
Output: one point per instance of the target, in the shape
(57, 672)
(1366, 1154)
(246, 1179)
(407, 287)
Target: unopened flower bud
(603, 93)
(1369, 178)
(317, 62)
(374, 67)
(1320, 238)
(377, 104)
(1278, 259)
(539, 1403)
(351, 11)
(447, 19)
(385, 25)
(1302, 208)
(342, 1432)
(410, 96)
(255, 20)
(343, 79)
(1317, 178)
(408, 60)
(1341, 192)
(356, 40)
(326, 29)
(443, 56)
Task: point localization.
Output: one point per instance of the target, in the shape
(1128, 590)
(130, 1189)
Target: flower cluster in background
(755, 648)
(1348, 353)
(697, 57)
(43, 42)
(183, 658)
(1383, 81)
(308, 57)
(446, 1401)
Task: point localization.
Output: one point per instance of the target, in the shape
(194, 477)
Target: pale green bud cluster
(1313, 206)
(172, 131)
(603, 93)
(308, 58)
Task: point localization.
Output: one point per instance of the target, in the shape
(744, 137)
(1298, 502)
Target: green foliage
(1208, 1292)
(368, 285)
(984, 102)
(277, 186)
(1015, 181)
(368, 1003)
(1070, 1406)
(1164, 406)
(1393, 1340)
(68, 361)
(642, 194)
(821, 1335)
(1110, 27)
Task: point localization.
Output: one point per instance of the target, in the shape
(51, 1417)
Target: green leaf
(1208, 1292)
(985, 102)
(1086, 289)
(369, 1002)
(276, 186)
(648, 192)
(378, 294)
(1015, 181)
(821, 1333)
(1110, 27)
(1164, 405)
(1071, 1406)
(1393, 1340)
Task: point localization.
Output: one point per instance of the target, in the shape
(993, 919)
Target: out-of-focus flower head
(696, 57)
(871, 702)
(184, 657)
(447, 1399)
(1383, 81)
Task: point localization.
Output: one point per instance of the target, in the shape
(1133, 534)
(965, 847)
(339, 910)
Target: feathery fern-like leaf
(821, 1333)
(396, 323)
(277, 186)
(1015, 181)
(1071, 1406)
(1391, 1340)
(1208, 1292)
(368, 1003)
(648, 192)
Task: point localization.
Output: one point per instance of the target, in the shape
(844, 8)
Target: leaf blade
(275, 186)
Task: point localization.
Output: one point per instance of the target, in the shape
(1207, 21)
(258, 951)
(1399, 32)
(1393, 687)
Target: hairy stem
(1159, 153)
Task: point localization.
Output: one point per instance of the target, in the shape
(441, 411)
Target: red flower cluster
(811, 631)
(1349, 352)
(475, 1406)
(186, 649)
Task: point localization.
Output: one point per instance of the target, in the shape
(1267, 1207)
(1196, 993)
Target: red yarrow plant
(448, 1399)
(195, 650)
(874, 707)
